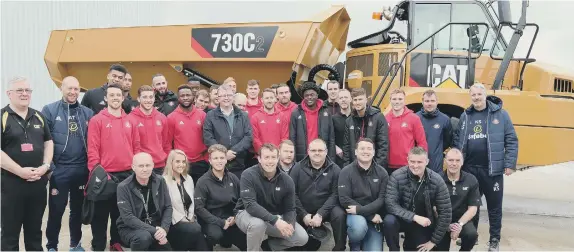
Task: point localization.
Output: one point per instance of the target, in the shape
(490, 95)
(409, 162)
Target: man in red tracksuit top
(284, 103)
(151, 126)
(185, 131)
(268, 123)
(254, 103)
(112, 143)
(405, 131)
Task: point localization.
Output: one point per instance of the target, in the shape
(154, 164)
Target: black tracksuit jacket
(266, 198)
(315, 190)
(163, 105)
(215, 199)
(372, 125)
(364, 189)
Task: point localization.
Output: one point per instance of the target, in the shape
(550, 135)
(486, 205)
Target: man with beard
(362, 186)
(316, 197)
(268, 125)
(112, 142)
(185, 131)
(284, 103)
(94, 98)
(129, 103)
(339, 121)
(267, 205)
(165, 100)
(152, 128)
(229, 126)
(68, 124)
(310, 120)
(438, 130)
(286, 155)
(366, 122)
(253, 103)
(412, 194)
(405, 131)
(333, 94)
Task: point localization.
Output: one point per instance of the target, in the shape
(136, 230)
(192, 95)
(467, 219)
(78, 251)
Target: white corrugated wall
(26, 27)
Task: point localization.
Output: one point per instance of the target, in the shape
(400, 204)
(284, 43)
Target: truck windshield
(429, 17)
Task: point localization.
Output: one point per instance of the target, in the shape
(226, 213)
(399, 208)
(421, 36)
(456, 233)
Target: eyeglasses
(21, 90)
(317, 151)
(226, 95)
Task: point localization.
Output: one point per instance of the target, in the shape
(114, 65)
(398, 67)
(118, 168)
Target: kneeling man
(362, 186)
(412, 194)
(267, 205)
(316, 178)
(145, 207)
(464, 198)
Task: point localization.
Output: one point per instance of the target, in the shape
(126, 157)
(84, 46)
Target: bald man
(241, 102)
(67, 120)
(145, 207)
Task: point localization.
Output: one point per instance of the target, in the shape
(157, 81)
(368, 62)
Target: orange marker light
(378, 15)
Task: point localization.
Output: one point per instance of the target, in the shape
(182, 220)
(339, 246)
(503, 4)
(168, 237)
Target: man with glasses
(311, 120)
(68, 124)
(27, 150)
(316, 178)
(229, 126)
(362, 186)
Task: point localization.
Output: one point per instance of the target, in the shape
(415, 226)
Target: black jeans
(338, 219)
(141, 240)
(492, 188)
(64, 181)
(415, 234)
(197, 169)
(468, 236)
(23, 205)
(102, 211)
(187, 236)
(216, 235)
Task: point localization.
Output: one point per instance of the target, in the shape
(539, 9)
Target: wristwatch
(460, 223)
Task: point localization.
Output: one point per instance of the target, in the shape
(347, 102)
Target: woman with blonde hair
(185, 232)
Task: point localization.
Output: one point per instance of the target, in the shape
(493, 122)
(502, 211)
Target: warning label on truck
(233, 42)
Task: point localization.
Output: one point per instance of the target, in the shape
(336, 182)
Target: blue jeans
(362, 233)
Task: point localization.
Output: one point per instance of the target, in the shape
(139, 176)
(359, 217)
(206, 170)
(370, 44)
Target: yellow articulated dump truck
(448, 46)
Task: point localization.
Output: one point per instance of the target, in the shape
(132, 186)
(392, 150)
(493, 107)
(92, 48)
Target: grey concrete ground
(538, 213)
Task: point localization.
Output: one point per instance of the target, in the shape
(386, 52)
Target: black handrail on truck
(432, 50)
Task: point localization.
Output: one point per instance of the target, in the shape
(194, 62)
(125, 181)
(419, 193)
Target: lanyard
(148, 219)
(24, 128)
(183, 200)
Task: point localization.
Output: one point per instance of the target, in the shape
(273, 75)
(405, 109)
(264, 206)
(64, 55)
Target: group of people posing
(191, 169)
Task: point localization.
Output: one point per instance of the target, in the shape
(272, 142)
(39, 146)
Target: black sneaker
(265, 245)
(493, 244)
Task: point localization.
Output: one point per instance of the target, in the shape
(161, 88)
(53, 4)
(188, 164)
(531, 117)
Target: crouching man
(316, 178)
(362, 186)
(412, 194)
(145, 207)
(464, 198)
(267, 205)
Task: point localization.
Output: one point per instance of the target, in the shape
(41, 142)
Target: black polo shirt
(463, 193)
(23, 139)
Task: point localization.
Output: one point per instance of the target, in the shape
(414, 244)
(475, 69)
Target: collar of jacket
(493, 103)
(431, 114)
(411, 176)
(262, 172)
(153, 186)
(235, 111)
(461, 178)
(168, 96)
(360, 169)
(215, 178)
(369, 111)
(306, 164)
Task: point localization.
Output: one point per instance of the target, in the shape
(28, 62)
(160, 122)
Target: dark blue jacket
(56, 114)
(438, 131)
(502, 139)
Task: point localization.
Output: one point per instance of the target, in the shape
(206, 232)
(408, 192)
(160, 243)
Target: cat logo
(465, 188)
(36, 126)
(495, 121)
(58, 118)
(325, 174)
(376, 180)
(230, 184)
(352, 127)
(436, 126)
(128, 125)
(277, 188)
(404, 125)
(158, 123)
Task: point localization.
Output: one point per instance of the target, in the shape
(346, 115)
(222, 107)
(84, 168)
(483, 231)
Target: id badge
(27, 147)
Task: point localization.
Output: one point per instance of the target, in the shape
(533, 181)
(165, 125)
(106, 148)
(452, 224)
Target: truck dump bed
(268, 52)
